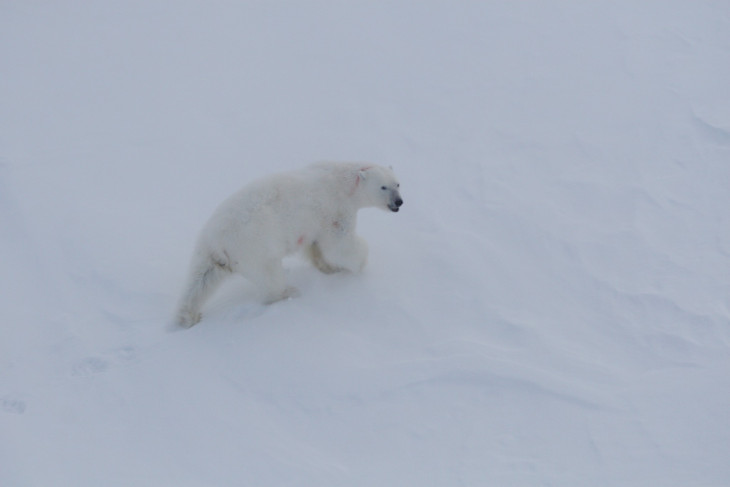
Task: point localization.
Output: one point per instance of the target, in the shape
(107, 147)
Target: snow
(550, 307)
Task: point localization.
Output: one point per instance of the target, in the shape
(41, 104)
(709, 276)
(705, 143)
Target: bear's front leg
(270, 279)
(315, 256)
(335, 254)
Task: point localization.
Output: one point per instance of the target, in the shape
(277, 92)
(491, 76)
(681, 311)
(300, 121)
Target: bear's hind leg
(205, 276)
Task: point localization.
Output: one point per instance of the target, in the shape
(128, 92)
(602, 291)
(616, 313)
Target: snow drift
(550, 308)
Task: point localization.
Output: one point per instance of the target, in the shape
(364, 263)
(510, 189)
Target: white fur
(313, 210)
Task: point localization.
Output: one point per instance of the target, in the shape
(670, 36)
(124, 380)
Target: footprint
(124, 354)
(13, 406)
(90, 366)
(98, 364)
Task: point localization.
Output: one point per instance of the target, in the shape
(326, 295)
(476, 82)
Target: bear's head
(379, 187)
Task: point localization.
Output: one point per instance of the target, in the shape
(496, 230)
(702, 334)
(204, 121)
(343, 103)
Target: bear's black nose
(398, 202)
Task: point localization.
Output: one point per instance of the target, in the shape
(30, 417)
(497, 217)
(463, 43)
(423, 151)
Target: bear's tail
(206, 274)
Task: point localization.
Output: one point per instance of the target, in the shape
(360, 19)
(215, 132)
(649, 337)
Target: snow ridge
(551, 307)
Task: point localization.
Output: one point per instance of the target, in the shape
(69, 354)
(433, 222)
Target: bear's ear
(361, 174)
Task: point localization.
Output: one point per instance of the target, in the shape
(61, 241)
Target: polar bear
(313, 210)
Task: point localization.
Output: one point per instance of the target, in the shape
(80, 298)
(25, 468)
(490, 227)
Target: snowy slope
(550, 307)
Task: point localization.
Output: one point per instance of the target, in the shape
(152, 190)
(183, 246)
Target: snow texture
(550, 307)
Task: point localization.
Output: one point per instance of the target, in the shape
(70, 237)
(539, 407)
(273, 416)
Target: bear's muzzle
(395, 205)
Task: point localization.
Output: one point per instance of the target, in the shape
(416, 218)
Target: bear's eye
(383, 188)
(397, 185)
